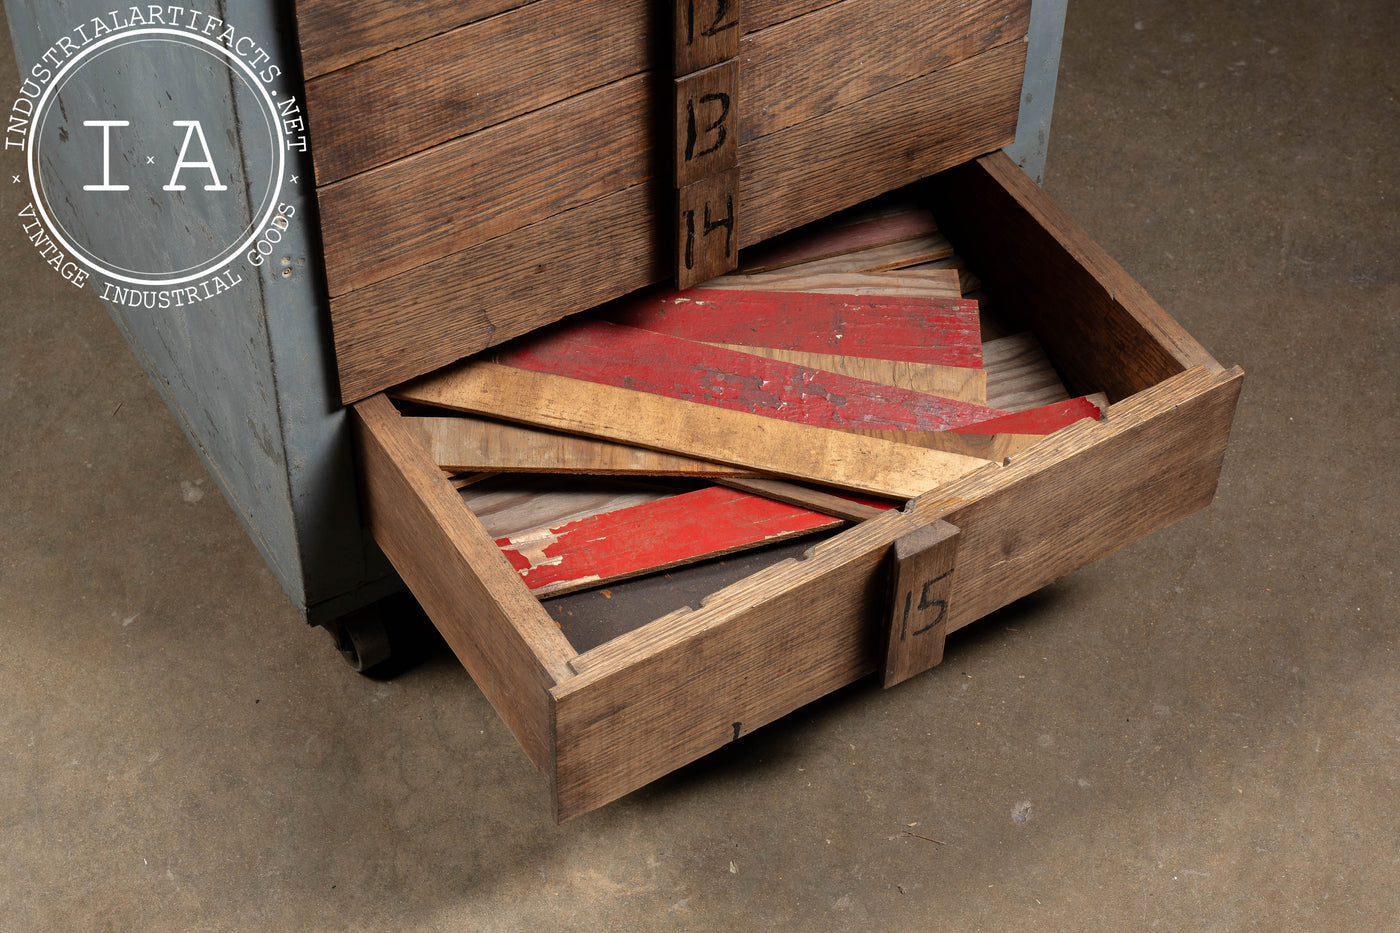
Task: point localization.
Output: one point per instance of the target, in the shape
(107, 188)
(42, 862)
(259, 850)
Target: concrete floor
(1200, 732)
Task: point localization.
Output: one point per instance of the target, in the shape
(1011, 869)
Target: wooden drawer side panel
(1155, 460)
(511, 647)
(1101, 328)
(621, 726)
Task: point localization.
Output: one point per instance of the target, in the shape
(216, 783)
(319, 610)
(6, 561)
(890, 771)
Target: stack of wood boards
(485, 167)
(835, 374)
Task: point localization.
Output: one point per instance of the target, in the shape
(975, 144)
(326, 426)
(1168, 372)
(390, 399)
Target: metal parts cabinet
(250, 376)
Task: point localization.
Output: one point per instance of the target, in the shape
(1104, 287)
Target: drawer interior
(611, 687)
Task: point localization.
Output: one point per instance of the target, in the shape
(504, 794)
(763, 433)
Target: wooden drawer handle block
(706, 138)
(922, 575)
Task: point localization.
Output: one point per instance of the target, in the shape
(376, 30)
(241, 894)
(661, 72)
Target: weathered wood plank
(955, 382)
(906, 283)
(782, 448)
(854, 508)
(659, 364)
(847, 52)
(654, 536)
(1019, 374)
(513, 650)
(513, 505)
(944, 332)
(488, 184)
(470, 78)
(337, 33)
(807, 245)
(468, 444)
(414, 323)
(898, 136)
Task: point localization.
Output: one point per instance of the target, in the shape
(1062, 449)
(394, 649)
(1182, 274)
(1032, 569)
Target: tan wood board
(959, 382)
(465, 443)
(783, 448)
(932, 283)
(818, 500)
(1019, 374)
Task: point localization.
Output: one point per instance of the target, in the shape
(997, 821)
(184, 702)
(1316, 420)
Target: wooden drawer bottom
(603, 721)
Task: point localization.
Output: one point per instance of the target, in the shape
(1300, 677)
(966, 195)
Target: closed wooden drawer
(601, 722)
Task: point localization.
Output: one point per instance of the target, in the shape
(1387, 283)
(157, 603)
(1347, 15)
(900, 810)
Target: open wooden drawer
(605, 721)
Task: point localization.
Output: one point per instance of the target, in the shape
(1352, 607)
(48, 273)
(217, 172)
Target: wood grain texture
(888, 258)
(854, 508)
(917, 330)
(848, 52)
(1099, 326)
(932, 283)
(760, 14)
(707, 228)
(808, 244)
(468, 444)
(658, 364)
(994, 447)
(1019, 374)
(885, 141)
(461, 278)
(337, 33)
(1090, 489)
(705, 33)
(638, 708)
(955, 382)
(470, 78)
(778, 447)
(414, 323)
(923, 563)
(706, 127)
(642, 708)
(653, 536)
(514, 505)
(513, 650)
(488, 184)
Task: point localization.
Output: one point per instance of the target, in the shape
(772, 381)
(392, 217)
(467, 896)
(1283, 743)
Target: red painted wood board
(653, 536)
(630, 358)
(806, 245)
(936, 331)
(1046, 419)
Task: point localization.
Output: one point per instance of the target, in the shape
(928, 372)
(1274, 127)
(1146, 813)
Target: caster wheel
(363, 640)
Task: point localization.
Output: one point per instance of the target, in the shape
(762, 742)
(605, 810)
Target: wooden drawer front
(602, 722)
(472, 173)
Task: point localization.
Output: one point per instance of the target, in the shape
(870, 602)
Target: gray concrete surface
(1201, 732)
